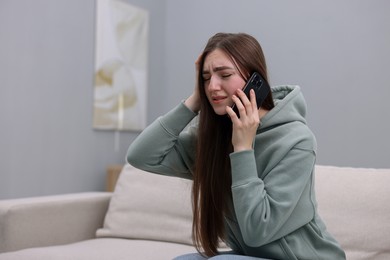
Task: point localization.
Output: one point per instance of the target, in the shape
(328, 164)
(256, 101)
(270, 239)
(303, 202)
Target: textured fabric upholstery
(354, 203)
(50, 220)
(149, 206)
(149, 217)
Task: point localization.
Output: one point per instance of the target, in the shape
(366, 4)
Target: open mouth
(218, 99)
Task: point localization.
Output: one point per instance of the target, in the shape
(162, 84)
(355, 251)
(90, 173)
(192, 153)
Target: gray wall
(337, 51)
(47, 143)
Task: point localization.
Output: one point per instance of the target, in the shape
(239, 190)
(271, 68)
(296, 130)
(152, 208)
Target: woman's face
(221, 80)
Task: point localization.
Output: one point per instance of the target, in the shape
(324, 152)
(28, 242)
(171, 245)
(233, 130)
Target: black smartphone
(259, 85)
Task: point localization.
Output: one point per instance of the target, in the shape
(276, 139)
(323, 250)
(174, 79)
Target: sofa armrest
(51, 220)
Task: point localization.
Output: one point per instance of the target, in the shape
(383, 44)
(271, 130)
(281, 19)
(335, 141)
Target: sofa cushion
(149, 206)
(354, 204)
(103, 249)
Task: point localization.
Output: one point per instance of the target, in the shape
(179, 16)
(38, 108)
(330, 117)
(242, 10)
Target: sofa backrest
(354, 204)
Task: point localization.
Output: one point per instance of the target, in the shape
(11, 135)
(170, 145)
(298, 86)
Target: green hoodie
(274, 205)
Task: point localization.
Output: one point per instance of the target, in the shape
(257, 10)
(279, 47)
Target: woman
(252, 171)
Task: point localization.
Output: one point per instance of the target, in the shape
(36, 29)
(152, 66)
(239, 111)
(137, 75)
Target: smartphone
(259, 85)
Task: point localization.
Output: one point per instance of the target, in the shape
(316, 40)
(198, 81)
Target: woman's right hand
(193, 101)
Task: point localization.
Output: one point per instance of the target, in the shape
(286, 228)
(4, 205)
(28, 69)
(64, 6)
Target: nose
(214, 84)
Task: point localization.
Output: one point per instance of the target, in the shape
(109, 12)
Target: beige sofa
(149, 217)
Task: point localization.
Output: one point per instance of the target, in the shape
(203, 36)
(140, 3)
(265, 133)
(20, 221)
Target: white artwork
(121, 54)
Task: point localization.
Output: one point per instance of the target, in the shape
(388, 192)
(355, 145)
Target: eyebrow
(216, 69)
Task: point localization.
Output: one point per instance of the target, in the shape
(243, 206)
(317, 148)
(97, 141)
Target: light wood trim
(113, 172)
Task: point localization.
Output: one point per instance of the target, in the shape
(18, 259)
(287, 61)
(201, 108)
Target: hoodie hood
(290, 106)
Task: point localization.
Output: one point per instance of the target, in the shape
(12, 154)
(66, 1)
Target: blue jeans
(229, 255)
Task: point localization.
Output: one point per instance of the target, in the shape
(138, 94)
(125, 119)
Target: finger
(197, 62)
(253, 100)
(242, 96)
(247, 104)
(233, 116)
(240, 107)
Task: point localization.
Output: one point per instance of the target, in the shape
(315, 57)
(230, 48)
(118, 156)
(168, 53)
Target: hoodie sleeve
(163, 147)
(270, 208)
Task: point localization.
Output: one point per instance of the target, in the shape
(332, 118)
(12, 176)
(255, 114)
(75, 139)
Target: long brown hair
(211, 192)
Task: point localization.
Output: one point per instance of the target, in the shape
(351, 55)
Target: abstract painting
(121, 53)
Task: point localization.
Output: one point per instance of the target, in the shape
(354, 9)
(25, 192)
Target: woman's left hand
(245, 126)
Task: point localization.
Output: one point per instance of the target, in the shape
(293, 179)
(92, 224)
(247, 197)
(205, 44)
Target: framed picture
(121, 54)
